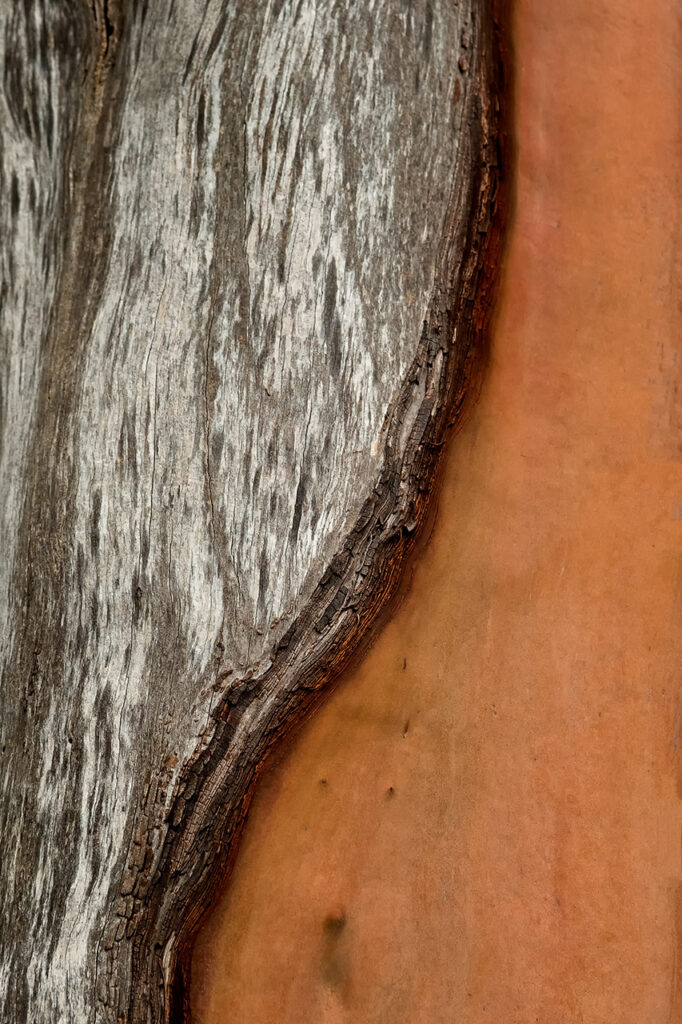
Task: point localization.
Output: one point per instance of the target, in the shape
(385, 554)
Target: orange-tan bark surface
(483, 822)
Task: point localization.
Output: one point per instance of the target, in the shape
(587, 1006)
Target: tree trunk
(247, 253)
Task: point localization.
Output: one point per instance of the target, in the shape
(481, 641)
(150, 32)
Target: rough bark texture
(244, 270)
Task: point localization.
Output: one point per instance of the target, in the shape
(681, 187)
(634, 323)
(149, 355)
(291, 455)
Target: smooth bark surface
(482, 824)
(245, 262)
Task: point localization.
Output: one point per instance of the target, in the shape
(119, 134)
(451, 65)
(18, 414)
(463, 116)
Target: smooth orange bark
(483, 822)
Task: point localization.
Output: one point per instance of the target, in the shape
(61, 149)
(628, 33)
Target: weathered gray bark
(244, 262)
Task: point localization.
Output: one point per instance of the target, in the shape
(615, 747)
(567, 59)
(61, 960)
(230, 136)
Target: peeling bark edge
(150, 966)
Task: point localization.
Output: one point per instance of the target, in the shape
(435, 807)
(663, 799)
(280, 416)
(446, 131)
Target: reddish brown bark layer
(483, 823)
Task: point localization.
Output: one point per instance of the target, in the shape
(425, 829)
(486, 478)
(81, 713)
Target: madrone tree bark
(247, 252)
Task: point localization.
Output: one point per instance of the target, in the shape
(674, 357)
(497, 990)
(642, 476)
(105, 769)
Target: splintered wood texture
(242, 266)
(483, 823)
